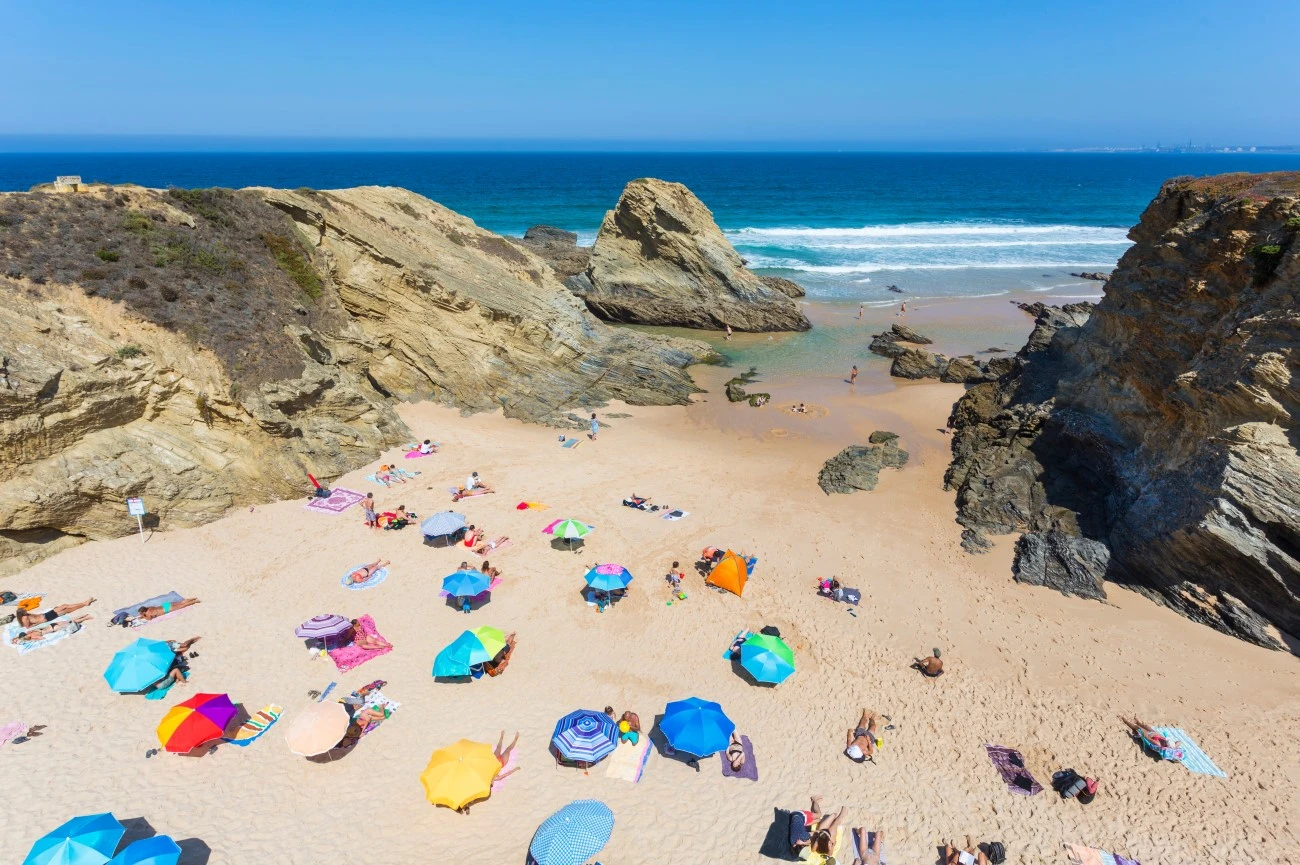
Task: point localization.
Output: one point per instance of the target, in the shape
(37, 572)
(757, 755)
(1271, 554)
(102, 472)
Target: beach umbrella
(442, 523)
(570, 530)
(585, 736)
(158, 850)
(696, 726)
(460, 774)
(492, 639)
(200, 719)
(87, 840)
(609, 577)
(323, 627)
(472, 647)
(767, 658)
(139, 665)
(573, 834)
(730, 573)
(317, 728)
(465, 584)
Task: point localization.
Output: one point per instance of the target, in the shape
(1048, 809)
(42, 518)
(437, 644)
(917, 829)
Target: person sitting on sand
(498, 665)
(489, 570)
(166, 607)
(398, 519)
(828, 587)
(472, 534)
(971, 854)
(931, 666)
(487, 547)
(427, 447)
(180, 664)
(29, 619)
(629, 728)
(1168, 749)
(365, 572)
(736, 753)
(862, 844)
(813, 829)
(474, 482)
(35, 635)
(369, 642)
(861, 742)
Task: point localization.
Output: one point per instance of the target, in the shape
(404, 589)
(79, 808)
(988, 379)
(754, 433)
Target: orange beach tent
(730, 573)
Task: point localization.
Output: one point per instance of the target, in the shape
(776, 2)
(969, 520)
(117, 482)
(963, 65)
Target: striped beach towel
(1194, 758)
(627, 763)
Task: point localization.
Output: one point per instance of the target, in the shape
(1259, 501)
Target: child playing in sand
(371, 510)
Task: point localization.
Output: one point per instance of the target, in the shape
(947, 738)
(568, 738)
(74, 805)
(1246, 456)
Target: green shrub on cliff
(290, 258)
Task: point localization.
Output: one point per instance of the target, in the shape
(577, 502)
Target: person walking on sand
(861, 307)
(595, 426)
(728, 337)
(902, 309)
(853, 375)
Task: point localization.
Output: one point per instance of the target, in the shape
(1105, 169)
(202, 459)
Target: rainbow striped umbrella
(199, 720)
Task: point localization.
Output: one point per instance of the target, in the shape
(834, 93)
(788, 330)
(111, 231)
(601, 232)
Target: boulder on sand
(857, 467)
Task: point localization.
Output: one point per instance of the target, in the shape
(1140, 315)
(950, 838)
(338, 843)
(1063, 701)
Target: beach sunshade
(158, 850)
(730, 573)
(462, 653)
(573, 834)
(200, 719)
(568, 529)
(465, 584)
(460, 774)
(608, 577)
(442, 523)
(696, 726)
(585, 736)
(767, 658)
(323, 627)
(492, 639)
(316, 728)
(139, 665)
(88, 840)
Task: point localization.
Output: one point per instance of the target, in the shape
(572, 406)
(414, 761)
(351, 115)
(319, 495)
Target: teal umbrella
(767, 658)
(158, 850)
(462, 653)
(88, 840)
(139, 665)
(465, 584)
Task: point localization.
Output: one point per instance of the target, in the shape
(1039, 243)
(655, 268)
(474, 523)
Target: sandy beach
(1026, 668)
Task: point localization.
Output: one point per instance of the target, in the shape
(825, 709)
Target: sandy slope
(1028, 668)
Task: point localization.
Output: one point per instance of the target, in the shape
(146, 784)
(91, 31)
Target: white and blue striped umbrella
(442, 523)
(573, 834)
(585, 736)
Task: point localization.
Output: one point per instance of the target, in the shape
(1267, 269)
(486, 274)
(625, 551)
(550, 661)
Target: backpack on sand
(1068, 783)
(996, 852)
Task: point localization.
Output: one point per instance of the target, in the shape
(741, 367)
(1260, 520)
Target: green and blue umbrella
(158, 850)
(87, 840)
(609, 577)
(768, 659)
(465, 584)
(139, 665)
(585, 736)
(573, 834)
(469, 649)
(696, 726)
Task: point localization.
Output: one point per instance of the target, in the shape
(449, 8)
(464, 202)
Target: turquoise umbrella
(608, 577)
(158, 850)
(139, 665)
(465, 584)
(87, 840)
(766, 658)
(463, 652)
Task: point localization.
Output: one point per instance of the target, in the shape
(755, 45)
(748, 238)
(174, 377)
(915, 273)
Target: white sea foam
(845, 269)
(934, 229)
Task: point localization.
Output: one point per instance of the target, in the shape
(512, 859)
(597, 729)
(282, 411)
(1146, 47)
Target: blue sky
(822, 74)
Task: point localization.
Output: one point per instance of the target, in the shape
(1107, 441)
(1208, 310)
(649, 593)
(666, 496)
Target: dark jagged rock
(886, 344)
(558, 248)
(788, 287)
(1094, 275)
(903, 333)
(1151, 441)
(917, 363)
(857, 467)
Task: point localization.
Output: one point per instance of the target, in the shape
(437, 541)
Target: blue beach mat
(1194, 758)
(376, 578)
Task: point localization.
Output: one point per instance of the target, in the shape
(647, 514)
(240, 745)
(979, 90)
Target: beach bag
(1068, 783)
(7, 597)
(771, 631)
(996, 852)
(321, 493)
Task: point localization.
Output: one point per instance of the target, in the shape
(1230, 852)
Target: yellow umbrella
(317, 728)
(460, 774)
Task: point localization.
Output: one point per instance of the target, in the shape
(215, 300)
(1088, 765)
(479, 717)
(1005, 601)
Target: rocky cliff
(1152, 441)
(207, 348)
(659, 258)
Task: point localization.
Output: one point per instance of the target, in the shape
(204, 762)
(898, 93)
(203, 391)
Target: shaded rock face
(857, 467)
(660, 259)
(918, 363)
(1151, 441)
(558, 248)
(294, 321)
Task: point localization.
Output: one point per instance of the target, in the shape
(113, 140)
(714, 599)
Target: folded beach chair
(252, 729)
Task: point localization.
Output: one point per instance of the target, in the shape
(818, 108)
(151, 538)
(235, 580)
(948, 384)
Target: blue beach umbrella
(609, 577)
(88, 840)
(462, 653)
(139, 665)
(573, 834)
(768, 659)
(696, 726)
(158, 850)
(585, 736)
(442, 523)
(465, 584)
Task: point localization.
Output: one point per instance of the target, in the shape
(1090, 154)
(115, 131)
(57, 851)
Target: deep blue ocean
(845, 225)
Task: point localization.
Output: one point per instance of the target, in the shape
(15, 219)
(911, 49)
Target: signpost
(135, 507)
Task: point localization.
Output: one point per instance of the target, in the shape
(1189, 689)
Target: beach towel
(375, 699)
(13, 629)
(571, 443)
(531, 506)
(627, 763)
(749, 771)
(13, 730)
(861, 852)
(511, 762)
(676, 515)
(352, 656)
(338, 502)
(496, 581)
(415, 455)
(1081, 855)
(852, 597)
(726, 656)
(169, 598)
(256, 726)
(807, 854)
(1011, 766)
(1194, 758)
(376, 577)
(492, 552)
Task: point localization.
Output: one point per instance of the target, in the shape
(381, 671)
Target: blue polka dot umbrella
(573, 834)
(585, 736)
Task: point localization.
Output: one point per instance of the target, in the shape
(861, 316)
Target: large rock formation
(558, 248)
(660, 259)
(203, 350)
(857, 467)
(1153, 442)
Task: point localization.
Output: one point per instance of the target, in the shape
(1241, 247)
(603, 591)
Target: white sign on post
(135, 507)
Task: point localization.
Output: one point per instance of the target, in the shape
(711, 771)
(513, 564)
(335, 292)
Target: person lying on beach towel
(498, 665)
(464, 493)
(35, 635)
(369, 642)
(862, 741)
(931, 666)
(365, 572)
(144, 614)
(735, 755)
(971, 854)
(30, 619)
(398, 519)
(1168, 749)
(485, 548)
(868, 847)
(813, 829)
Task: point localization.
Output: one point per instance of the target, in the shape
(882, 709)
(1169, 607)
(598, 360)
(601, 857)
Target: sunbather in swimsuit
(163, 609)
(862, 844)
(35, 635)
(861, 742)
(813, 829)
(1168, 749)
(28, 619)
(971, 855)
(369, 642)
(365, 572)
(736, 753)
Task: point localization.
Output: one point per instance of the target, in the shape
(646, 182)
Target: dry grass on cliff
(231, 283)
(1245, 185)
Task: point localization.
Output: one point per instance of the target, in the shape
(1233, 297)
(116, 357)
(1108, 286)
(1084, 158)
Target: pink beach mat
(351, 656)
(338, 502)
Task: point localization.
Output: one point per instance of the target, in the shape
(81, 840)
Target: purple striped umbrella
(323, 627)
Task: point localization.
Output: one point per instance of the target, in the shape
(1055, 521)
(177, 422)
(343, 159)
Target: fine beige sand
(1027, 668)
